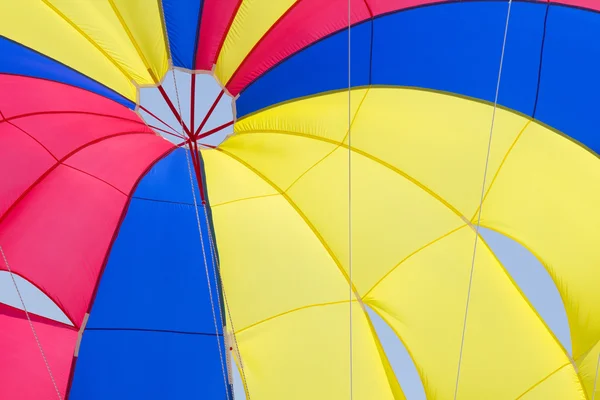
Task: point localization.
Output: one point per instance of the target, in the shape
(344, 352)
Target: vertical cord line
(217, 272)
(37, 340)
(350, 291)
(487, 158)
(212, 305)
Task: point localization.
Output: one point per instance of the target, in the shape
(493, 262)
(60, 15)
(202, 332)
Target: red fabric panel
(24, 374)
(302, 26)
(19, 168)
(69, 158)
(25, 95)
(298, 28)
(217, 16)
(129, 154)
(63, 133)
(58, 234)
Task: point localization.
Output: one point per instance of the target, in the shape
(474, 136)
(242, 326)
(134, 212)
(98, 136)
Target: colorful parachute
(351, 178)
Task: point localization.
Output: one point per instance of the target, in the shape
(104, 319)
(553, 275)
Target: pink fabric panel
(25, 95)
(24, 374)
(119, 160)
(217, 17)
(63, 133)
(298, 28)
(57, 236)
(22, 161)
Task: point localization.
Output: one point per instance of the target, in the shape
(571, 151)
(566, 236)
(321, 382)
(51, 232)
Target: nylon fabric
(120, 46)
(182, 19)
(152, 302)
(401, 139)
(24, 374)
(253, 19)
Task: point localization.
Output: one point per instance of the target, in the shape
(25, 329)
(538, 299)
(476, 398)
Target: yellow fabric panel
(305, 355)
(272, 262)
(547, 197)
(227, 180)
(507, 347)
(143, 21)
(438, 139)
(324, 116)
(588, 368)
(37, 25)
(254, 18)
(391, 217)
(561, 385)
(281, 158)
(97, 21)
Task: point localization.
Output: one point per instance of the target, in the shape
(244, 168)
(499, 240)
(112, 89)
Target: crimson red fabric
(217, 17)
(74, 160)
(299, 27)
(302, 26)
(24, 373)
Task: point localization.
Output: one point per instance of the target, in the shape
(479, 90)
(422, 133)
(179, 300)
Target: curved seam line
(225, 34)
(510, 149)
(445, 235)
(72, 326)
(531, 307)
(89, 39)
(71, 112)
(292, 311)
(55, 165)
(32, 137)
(366, 155)
(133, 41)
(97, 178)
(300, 214)
(542, 380)
(335, 148)
(289, 10)
(244, 199)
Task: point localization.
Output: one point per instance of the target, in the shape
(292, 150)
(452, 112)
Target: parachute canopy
(328, 160)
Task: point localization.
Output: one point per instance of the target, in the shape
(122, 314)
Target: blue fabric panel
(570, 79)
(131, 365)
(171, 172)
(182, 18)
(20, 60)
(151, 330)
(452, 47)
(320, 67)
(457, 48)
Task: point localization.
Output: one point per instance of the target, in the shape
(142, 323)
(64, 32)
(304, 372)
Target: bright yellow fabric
(114, 42)
(280, 189)
(547, 196)
(253, 19)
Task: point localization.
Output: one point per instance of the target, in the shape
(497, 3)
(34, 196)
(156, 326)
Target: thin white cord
(487, 158)
(212, 306)
(215, 269)
(37, 340)
(596, 377)
(350, 291)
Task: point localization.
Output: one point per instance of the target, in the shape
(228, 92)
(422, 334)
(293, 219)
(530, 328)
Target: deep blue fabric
(570, 79)
(457, 48)
(20, 60)
(151, 331)
(182, 18)
(453, 47)
(321, 67)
